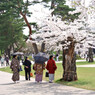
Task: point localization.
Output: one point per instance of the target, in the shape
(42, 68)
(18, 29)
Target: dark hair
(26, 58)
(51, 57)
(14, 56)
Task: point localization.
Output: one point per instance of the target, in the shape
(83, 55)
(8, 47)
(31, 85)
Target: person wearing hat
(27, 68)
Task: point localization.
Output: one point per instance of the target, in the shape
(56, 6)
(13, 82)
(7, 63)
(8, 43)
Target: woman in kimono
(51, 67)
(39, 71)
(15, 66)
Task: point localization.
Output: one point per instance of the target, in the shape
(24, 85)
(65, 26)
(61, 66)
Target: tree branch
(26, 21)
(80, 40)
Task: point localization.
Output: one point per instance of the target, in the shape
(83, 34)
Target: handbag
(47, 74)
(20, 69)
(34, 73)
(31, 74)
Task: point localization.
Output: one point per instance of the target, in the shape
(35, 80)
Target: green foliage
(60, 58)
(0, 52)
(35, 2)
(46, 1)
(61, 9)
(78, 57)
(11, 25)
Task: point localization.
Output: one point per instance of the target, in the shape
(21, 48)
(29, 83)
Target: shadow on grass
(72, 83)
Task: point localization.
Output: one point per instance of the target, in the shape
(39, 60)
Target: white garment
(57, 58)
(2, 59)
(51, 77)
(33, 56)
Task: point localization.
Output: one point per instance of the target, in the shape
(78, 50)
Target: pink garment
(38, 77)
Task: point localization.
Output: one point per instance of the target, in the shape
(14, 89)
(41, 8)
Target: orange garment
(39, 68)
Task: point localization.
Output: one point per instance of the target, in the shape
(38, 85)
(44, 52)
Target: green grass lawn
(86, 77)
(85, 63)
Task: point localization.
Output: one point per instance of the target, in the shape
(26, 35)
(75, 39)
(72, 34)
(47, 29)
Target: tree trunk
(9, 55)
(27, 23)
(69, 62)
(8, 52)
(52, 4)
(69, 66)
(43, 47)
(35, 48)
(63, 63)
(90, 55)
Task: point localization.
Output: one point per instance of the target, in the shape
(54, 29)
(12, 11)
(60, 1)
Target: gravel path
(7, 87)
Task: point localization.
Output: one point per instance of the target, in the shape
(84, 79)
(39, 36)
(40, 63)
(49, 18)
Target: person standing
(15, 66)
(22, 58)
(7, 60)
(32, 55)
(2, 61)
(18, 57)
(27, 68)
(51, 67)
(57, 57)
(39, 71)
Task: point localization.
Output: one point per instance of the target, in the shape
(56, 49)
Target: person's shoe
(50, 82)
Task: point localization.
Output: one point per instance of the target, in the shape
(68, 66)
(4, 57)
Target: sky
(39, 13)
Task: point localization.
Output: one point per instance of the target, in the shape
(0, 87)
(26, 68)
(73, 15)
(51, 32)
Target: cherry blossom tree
(56, 34)
(88, 16)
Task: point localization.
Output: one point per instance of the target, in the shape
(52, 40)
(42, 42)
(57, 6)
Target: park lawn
(86, 77)
(84, 63)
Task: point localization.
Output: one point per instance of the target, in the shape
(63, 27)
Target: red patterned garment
(51, 66)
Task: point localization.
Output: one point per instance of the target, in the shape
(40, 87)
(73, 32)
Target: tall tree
(11, 27)
(69, 64)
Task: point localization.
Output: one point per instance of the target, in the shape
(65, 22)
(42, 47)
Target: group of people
(56, 57)
(4, 60)
(50, 66)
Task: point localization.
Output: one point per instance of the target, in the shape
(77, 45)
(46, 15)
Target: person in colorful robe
(39, 71)
(15, 66)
